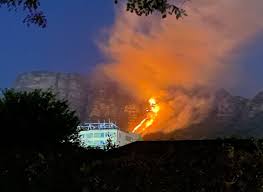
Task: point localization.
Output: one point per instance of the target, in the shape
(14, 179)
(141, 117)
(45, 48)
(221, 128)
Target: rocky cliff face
(228, 107)
(255, 106)
(231, 116)
(67, 86)
(108, 101)
(95, 98)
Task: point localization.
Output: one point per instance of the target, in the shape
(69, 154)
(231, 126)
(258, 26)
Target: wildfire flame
(152, 113)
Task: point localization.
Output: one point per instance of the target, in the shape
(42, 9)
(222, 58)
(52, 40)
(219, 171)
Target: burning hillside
(152, 114)
(179, 62)
(212, 114)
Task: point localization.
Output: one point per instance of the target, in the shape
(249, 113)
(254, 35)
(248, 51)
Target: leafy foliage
(32, 7)
(110, 144)
(140, 7)
(35, 118)
(243, 164)
(148, 7)
(206, 165)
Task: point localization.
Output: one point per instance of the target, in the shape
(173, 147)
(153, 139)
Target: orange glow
(180, 62)
(152, 114)
(139, 125)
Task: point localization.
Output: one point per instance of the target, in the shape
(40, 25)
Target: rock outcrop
(71, 87)
(95, 97)
(228, 107)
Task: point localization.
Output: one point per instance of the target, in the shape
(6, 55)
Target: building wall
(99, 138)
(126, 138)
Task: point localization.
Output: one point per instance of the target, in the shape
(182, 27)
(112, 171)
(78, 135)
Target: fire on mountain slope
(150, 118)
(171, 59)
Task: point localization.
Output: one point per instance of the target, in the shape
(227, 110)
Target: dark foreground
(205, 165)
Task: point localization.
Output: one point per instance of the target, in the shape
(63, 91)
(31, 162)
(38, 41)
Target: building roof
(98, 126)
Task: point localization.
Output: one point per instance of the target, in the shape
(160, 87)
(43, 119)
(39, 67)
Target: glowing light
(152, 113)
(138, 126)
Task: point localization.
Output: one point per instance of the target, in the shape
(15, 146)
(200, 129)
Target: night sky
(68, 44)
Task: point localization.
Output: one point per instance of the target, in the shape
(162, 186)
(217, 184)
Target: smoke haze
(170, 59)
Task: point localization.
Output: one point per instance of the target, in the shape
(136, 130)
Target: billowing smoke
(172, 59)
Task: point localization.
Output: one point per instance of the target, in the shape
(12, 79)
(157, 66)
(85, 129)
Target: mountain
(95, 97)
(71, 87)
(231, 116)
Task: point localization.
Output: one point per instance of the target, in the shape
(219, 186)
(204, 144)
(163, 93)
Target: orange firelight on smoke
(152, 114)
(180, 61)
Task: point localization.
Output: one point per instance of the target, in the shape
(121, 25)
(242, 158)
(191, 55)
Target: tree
(35, 118)
(140, 7)
(148, 7)
(31, 7)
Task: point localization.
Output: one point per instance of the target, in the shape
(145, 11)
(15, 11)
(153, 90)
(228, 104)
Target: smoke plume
(173, 60)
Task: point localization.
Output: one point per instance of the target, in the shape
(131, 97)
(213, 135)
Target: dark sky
(250, 59)
(68, 43)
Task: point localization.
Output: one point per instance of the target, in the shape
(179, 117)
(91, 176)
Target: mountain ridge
(96, 97)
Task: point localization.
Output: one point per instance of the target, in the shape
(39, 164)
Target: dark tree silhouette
(140, 7)
(148, 7)
(32, 9)
(35, 118)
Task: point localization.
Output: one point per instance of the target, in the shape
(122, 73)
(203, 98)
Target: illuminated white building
(99, 134)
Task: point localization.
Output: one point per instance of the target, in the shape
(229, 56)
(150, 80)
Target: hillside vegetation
(204, 165)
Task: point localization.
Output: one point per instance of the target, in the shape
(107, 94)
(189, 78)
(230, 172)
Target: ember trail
(151, 116)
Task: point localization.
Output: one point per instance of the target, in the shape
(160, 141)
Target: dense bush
(217, 165)
(35, 118)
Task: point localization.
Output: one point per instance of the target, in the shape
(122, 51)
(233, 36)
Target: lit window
(98, 135)
(111, 134)
(97, 142)
(89, 135)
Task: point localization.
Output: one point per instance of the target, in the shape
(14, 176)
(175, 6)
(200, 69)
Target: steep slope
(71, 87)
(95, 97)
